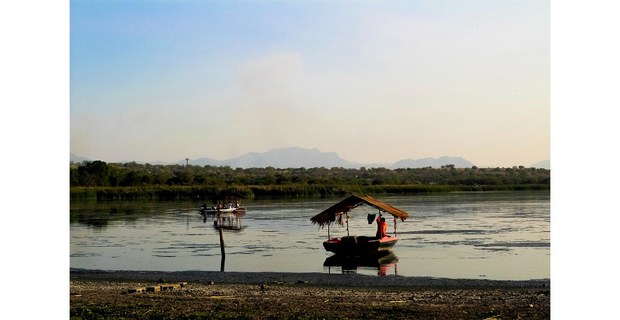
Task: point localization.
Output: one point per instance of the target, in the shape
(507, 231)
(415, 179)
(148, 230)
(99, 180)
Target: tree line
(98, 178)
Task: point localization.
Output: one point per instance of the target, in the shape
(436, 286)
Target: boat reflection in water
(382, 261)
(226, 220)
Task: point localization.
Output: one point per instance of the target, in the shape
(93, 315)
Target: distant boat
(224, 217)
(229, 208)
(357, 245)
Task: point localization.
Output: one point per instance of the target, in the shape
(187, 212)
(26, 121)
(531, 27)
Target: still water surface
(489, 235)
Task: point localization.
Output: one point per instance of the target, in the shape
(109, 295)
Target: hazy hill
(295, 157)
(78, 159)
(292, 157)
(75, 158)
(545, 164)
(458, 162)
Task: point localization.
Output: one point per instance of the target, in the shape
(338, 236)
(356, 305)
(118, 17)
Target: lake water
(488, 235)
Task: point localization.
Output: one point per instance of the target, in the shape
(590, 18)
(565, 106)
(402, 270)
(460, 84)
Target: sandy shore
(96, 294)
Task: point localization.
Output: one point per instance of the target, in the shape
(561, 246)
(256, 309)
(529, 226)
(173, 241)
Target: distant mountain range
(292, 157)
(295, 157)
(76, 158)
(545, 164)
(458, 162)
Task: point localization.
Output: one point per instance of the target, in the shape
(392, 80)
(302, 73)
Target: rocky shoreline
(98, 294)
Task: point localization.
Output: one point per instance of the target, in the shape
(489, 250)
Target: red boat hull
(352, 245)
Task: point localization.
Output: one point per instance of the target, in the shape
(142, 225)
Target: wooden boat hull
(356, 246)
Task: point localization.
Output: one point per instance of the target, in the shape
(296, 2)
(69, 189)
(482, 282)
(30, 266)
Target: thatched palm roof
(351, 202)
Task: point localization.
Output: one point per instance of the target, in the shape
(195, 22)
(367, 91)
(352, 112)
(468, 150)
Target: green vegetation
(132, 181)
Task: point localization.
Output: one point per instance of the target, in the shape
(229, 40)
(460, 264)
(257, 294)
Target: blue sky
(371, 80)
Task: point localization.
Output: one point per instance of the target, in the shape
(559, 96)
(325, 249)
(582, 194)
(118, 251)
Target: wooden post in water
(222, 249)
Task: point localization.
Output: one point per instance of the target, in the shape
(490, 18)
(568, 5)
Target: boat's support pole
(222, 249)
(328, 234)
(395, 226)
(347, 224)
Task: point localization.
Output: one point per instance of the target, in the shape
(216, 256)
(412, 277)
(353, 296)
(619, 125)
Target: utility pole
(186, 162)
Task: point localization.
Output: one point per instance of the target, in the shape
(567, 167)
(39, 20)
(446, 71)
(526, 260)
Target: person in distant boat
(381, 227)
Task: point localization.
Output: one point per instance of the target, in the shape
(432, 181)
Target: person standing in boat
(381, 227)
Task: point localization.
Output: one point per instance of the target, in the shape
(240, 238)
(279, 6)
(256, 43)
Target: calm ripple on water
(493, 235)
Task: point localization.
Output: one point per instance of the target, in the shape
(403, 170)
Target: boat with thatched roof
(357, 245)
